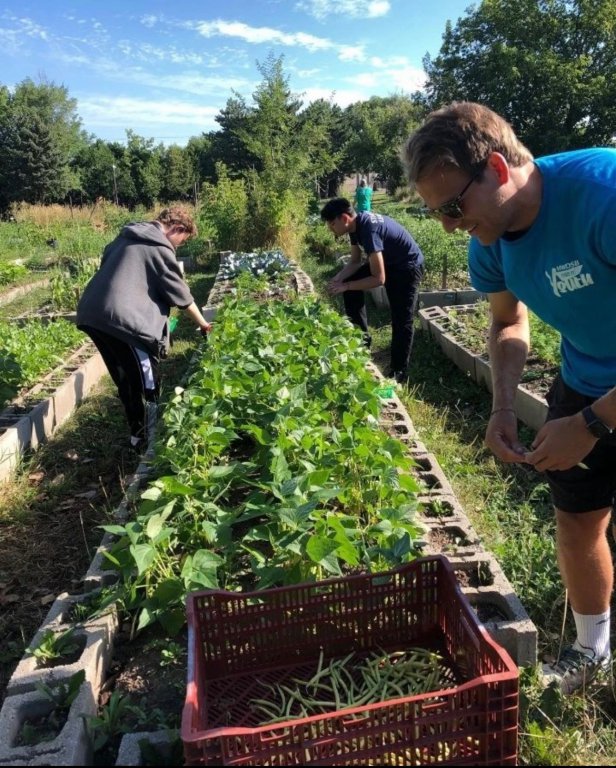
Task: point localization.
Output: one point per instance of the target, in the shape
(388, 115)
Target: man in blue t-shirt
(393, 260)
(542, 236)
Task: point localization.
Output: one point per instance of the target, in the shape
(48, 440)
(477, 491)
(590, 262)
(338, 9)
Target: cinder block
(98, 638)
(530, 408)
(13, 442)
(129, 752)
(97, 575)
(483, 373)
(70, 747)
(440, 298)
(43, 420)
(451, 538)
(504, 617)
(429, 315)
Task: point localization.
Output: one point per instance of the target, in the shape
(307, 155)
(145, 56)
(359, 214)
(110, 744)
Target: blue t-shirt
(374, 232)
(564, 267)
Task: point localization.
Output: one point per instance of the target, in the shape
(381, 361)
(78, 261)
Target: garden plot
(231, 494)
(46, 371)
(462, 333)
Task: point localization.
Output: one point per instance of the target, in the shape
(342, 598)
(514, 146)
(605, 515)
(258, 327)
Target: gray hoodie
(137, 283)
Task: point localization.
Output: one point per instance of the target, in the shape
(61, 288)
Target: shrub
(224, 211)
(320, 243)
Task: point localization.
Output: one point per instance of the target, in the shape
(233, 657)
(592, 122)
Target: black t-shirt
(374, 232)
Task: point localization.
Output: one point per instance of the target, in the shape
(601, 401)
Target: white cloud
(264, 35)
(351, 53)
(367, 78)
(12, 39)
(321, 9)
(261, 34)
(123, 111)
(149, 20)
(342, 97)
(408, 79)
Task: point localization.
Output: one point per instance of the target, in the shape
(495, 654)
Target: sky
(166, 69)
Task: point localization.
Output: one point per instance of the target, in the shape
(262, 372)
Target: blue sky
(165, 69)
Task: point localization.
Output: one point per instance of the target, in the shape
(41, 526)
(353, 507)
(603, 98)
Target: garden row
(454, 330)
(279, 462)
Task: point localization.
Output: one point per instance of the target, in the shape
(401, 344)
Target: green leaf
(408, 483)
(143, 555)
(262, 436)
(168, 591)
(319, 548)
(172, 620)
(153, 493)
(146, 617)
(154, 526)
(115, 529)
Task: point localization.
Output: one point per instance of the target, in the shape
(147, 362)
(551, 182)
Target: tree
(323, 129)
(32, 168)
(227, 146)
(142, 161)
(53, 106)
(96, 163)
(176, 174)
(547, 66)
(379, 126)
(280, 177)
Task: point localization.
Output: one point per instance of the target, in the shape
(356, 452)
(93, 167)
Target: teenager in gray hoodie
(125, 308)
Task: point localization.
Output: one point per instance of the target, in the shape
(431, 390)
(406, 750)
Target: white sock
(593, 633)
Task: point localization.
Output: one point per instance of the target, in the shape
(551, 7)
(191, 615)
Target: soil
(445, 540)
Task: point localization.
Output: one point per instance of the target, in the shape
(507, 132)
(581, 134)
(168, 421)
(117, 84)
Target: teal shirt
(363, 198)
(564, 267)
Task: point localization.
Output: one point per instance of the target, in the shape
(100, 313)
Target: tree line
(548, 66)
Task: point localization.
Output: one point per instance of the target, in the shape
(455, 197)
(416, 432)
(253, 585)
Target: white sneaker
(574, 669)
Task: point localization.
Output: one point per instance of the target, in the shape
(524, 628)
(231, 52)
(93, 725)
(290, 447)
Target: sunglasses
(451, 209)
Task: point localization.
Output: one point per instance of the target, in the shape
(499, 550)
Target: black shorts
(578, 489)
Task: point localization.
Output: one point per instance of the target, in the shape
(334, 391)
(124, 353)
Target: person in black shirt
(393, 259)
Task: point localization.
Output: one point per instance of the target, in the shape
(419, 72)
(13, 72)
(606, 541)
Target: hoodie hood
(146, 232)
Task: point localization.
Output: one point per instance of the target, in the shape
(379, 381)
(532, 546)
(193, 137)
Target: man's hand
(502, 437)
(561, 444)
(334, 287)
(205, 329)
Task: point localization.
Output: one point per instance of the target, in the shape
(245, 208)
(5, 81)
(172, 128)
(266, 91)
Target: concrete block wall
(530, 408)
(26, 427)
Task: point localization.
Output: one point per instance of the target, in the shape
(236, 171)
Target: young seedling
(54, 646)
(61, 695)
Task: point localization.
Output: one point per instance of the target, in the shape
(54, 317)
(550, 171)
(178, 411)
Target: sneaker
(573, 670)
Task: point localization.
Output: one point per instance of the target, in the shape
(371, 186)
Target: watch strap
(596, 427)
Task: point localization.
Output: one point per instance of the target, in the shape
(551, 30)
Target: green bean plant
(272, 467)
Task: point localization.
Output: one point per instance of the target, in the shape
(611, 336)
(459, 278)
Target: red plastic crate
(237, 640)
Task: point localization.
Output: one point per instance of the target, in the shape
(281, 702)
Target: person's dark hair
(461, 134)
(335, 208)
(178, 217)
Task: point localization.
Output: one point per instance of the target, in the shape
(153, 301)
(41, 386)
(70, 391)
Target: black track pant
(135, 374)
(402, 287)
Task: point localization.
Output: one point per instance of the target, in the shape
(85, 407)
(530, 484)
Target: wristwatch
(596, 427)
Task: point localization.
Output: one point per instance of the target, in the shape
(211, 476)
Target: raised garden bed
(467, 349)
(33, 417)
(147, 666)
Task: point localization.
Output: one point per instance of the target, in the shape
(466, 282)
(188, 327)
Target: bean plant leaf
(319, 548)
(144, 555)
